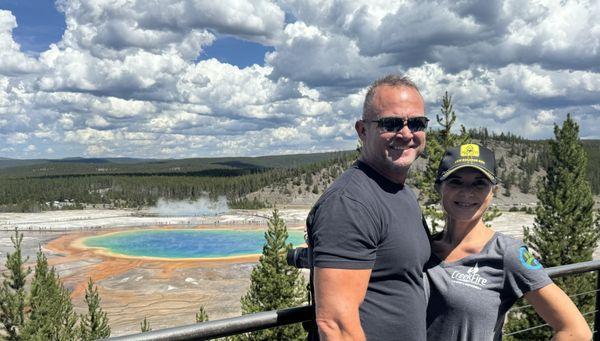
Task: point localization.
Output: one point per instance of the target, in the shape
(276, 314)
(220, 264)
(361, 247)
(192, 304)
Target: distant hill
(246, 182)
(131, 166)
(77, 183)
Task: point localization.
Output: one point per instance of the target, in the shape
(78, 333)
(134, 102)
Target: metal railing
(276, 318)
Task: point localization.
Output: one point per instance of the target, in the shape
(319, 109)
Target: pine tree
(437, 142)
(275, 284)
(565, 229)
(201, 315)
(145, 325)
(501, 162)
(490, 214)
(93, 325)
(51, 316)
(12, 291)
(525, 183)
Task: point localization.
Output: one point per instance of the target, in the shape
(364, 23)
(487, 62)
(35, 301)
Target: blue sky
(235, 51)
(40, 23)
(193, 78)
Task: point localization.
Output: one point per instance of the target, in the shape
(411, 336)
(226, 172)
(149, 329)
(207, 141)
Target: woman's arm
(557, 309)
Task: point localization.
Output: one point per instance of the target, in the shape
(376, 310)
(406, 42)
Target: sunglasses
(395, 124)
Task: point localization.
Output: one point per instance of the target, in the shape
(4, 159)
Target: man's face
(392, 153)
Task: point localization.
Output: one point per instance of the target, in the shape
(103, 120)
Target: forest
(37, 185)
(66, 185)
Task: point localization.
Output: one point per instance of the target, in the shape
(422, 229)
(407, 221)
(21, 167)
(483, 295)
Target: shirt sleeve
(344, 234)
(523, 272)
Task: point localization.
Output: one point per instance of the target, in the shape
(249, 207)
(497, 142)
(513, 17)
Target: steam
(201, 207)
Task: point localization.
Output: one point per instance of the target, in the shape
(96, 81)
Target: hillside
(224, 166)
(246, 182)
(520, 165)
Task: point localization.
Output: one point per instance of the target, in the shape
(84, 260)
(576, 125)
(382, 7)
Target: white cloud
(124, 80)
(225, 88)
(66, 121)
(97, 122)
(12, 60)
(181, 26)
(98, 150)
(323, 59)
(17, 138)
(545, 117)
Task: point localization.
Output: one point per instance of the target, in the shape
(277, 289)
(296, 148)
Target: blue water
(186, 243)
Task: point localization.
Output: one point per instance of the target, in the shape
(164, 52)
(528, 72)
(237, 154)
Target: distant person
(475, 274)
(369, 245)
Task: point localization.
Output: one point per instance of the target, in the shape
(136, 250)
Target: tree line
(137, 190)
(31, 194)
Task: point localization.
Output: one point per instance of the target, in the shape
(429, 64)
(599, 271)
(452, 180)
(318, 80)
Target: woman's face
(466, 194)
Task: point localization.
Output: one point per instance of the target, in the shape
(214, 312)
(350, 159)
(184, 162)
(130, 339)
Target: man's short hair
(389, 80)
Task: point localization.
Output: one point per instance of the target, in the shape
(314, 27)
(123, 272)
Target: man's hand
(338, 294)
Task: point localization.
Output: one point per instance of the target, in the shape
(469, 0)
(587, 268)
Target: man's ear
(495, 189)
(360, 129)
(437, 186)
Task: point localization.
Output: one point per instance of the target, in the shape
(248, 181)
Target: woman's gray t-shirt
(468, 298)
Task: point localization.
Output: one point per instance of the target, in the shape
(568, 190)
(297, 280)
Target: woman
(475, 274)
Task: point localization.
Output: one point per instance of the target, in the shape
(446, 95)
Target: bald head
(369, 109)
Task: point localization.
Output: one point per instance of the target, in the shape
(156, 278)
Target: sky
(201, 78)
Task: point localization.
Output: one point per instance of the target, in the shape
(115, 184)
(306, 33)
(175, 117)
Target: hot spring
(185, 243)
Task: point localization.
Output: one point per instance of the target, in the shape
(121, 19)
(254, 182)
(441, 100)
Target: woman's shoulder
(506, 242)
(516, 253)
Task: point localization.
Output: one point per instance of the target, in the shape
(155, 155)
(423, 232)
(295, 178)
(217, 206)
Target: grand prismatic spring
(177, 244)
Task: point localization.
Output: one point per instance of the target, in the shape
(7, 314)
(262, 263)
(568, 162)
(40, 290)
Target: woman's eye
(480, 184)
(454, 182)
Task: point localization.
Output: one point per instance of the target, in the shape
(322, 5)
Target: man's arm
(338, 294)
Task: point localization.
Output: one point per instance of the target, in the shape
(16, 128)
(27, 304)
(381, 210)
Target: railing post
(596, 307)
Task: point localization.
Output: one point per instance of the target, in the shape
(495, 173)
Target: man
(368, 241)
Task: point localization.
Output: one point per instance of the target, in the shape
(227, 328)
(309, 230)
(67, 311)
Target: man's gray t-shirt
(364, 221)
(469, 298)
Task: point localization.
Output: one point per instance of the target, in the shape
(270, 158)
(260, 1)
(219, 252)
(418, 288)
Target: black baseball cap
(468, 155)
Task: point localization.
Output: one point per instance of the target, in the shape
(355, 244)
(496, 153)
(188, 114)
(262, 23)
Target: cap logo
(469, 150)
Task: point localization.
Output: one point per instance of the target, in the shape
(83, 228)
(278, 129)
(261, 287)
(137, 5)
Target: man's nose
(405, 133)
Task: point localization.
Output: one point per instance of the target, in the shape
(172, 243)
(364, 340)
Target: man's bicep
(343, 235)
(339, 291)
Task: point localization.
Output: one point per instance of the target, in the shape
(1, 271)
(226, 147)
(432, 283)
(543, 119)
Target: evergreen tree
(275, 284)
(508, 181)
(201, 315)
(94, 325)
(490, 214)
(565, 229)
(12, 291)
(51, 316)
(437, 142)
(525, 183)
(501, 163)
(145, 325)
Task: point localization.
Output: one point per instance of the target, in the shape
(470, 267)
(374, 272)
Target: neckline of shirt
(484, 250)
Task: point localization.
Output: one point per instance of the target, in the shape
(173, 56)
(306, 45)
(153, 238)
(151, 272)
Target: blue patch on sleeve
(528, 260)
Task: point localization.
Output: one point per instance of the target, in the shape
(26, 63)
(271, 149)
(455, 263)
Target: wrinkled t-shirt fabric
(468, 298)
(364, 221)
